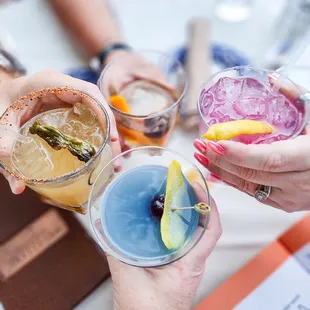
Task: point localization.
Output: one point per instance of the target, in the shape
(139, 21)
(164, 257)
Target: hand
(169, 287)
(283, 165)
(129, 67)
(12, 89)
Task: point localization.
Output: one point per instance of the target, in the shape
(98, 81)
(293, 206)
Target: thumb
(205, 246)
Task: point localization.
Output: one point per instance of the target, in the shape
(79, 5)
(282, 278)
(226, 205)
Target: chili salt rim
(17, 105)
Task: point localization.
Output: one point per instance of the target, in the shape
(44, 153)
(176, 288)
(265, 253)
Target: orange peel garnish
(119, 103)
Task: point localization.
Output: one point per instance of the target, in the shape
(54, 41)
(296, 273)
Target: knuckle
(216, 160)
(246, 173)
(274, 162)
(47, 72)
(92, 87)
(215, 170)
(243, 185)
(302, 185)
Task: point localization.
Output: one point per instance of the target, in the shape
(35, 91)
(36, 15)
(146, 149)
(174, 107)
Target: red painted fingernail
(200, 146)
(215, 147)
(214, 176)
(202, 159)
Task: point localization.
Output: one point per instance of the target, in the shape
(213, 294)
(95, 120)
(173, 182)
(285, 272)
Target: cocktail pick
(200, 207)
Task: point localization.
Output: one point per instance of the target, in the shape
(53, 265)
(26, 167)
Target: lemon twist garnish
(229, 130)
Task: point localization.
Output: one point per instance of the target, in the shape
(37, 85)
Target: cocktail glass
(243, 93)
(153, 107)
(60, 178)
(121, 211)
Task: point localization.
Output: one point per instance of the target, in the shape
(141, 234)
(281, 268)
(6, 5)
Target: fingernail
(214, 176)
(272, 78)
(202, 159)
(200, 146)
(17, 187)
(117, 165)
(215, 147)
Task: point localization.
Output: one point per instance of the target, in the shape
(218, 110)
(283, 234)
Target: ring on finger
(262, 193)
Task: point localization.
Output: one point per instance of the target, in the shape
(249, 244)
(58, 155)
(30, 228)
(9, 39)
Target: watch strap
(10, 63)
(98, 62)
(102, 56)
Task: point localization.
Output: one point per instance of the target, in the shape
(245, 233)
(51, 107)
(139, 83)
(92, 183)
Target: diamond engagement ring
(304, 98)
(262, 193)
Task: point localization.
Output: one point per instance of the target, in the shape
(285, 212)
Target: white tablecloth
(40, 42)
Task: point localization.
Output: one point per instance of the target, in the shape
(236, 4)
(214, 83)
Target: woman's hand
(169, 287)
(128, 67)
(12, 89)
(283, 165)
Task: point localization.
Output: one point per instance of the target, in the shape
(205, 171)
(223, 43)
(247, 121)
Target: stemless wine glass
(120, 207)
(244, 93)
(153, 105)
(34, 163)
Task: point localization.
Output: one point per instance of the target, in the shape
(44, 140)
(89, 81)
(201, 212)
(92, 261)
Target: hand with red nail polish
(283, 165)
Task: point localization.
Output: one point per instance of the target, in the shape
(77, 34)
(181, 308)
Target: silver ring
(304, 98)
(262, 193)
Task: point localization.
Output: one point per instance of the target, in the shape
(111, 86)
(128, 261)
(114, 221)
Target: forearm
(90, 23)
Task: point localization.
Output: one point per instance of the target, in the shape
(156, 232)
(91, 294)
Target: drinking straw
(286, 69)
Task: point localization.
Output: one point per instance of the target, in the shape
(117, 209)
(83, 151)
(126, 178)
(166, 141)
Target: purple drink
(233, 97)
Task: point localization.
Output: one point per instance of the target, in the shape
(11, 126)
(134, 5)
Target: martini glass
(120, 207)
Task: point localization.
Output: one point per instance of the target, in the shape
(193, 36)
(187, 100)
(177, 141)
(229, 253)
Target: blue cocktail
(126, 209)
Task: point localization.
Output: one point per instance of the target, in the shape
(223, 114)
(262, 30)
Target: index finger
(280, 156)
(51, 79)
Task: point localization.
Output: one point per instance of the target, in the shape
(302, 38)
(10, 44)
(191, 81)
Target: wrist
(108, 53)
(149, 297)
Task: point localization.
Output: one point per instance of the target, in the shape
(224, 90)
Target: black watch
(97, 62)
(10, 64)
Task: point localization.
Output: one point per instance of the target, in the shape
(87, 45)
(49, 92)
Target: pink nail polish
(215, 147)
(200, 146)
(201, 159)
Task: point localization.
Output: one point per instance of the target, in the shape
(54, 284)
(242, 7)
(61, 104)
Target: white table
(247, 226)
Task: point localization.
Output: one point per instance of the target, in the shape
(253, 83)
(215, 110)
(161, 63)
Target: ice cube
(283, 112)
(80, 112)
(252, 88)
(226, 89)
(145, 98)
(217, 114)
(206, 100)
(225, 118)
(254, 107)
(212, 121)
